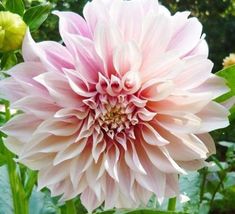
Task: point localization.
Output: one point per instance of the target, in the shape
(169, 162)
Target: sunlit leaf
(229, 75)
(35, 16)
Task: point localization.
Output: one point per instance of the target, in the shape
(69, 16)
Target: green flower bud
(12, 31)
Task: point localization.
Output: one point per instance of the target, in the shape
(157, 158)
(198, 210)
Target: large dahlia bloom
(119, 110)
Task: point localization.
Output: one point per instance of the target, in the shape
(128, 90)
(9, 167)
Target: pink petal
(38, 161)
(111, 192)
(29, 48)
(21, 126)
(186, 38)
(58, 87)
(127, 58)
(121, 11)
(79, 165)
(80, 113)
(112, 157)
(126, 179)
(148, 181)
(151, 136)
(70, 152)
(93, 15)
(178, 104)
(208, 141)
(8, 92)
(213, 116)
(90, 200)
(60, 127)
(132, 159)
(201, 49)
(164, 67)
(161, 159)
(194, 73)
(14, 144)
(52, 175)
(87, 62)
(159, 26)
(185, 123)
(55, 56)
(39, 106)
(72, 23)
(77, 84)
(154, 90)
(106, 39)
(214, 84)
(131, 82)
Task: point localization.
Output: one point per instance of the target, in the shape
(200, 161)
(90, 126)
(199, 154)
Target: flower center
(116, 109)
(114, 116)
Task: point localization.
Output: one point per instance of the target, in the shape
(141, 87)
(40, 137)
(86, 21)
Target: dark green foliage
(229, 75)
(8, 60)
(36, 15)
(15, 6)
(1, 7)
(49, 29)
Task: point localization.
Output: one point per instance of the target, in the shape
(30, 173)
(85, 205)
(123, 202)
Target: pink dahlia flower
(119, 110)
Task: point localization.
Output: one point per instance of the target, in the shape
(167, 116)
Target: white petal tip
(183, 198)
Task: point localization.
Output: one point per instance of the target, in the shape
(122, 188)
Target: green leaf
(2, 118)
(229, 75)
(218, 167)
(6, 203)
(15, 6)
(190, 186)
(230, 180)
(204, 208)
(41, 203)
(32, 178)
(1, 7)
(226, 144)
(35, 16)
(8, 60)
(232, 114)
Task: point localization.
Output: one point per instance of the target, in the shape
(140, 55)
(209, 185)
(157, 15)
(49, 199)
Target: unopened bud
(12, 31)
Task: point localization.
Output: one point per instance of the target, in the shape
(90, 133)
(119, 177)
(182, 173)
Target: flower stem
(7, 111)
(11, 173)
(217, 188)
(30, 183)
(204, 174)
(11, 168)
(20, 202)
(70, 207)
(171, 204)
